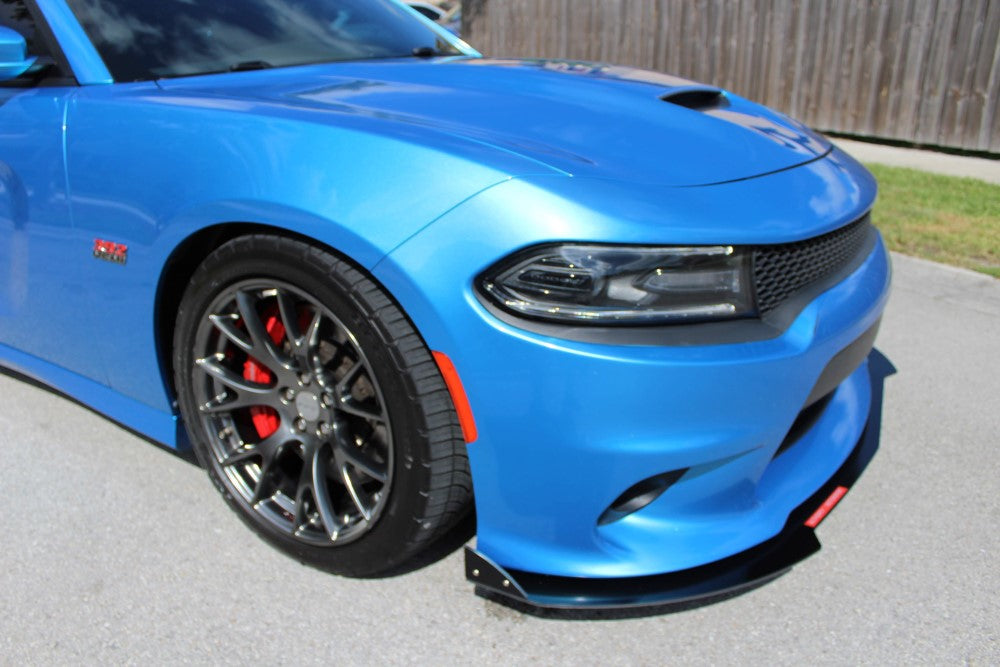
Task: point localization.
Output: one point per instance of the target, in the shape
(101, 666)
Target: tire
(316, 407)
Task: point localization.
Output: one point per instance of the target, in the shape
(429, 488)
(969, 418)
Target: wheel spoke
(289, 317)
(321, 492)
(366, 463)
(346, 401)
(345, 382)
(227, 325)
(360, 498)
(311, 335)
(240, 455)
(264, 349)
(226, 402)
(265, 487)
(271, 446)
(301, 515)
(353, 407)
(308, 348)
(268, 449)
(213, 366)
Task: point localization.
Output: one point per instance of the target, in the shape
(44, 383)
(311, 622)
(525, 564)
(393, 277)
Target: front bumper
(746, 570)
(567, 426)
(562, 441)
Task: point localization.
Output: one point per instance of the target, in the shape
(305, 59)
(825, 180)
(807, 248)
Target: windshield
(151, 39)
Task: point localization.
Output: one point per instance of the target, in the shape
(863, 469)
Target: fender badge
(116, 253)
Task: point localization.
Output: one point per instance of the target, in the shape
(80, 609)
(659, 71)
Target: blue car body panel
(608, 416)
(425, 173)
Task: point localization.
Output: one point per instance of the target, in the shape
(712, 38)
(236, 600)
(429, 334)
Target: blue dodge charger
(375, 279)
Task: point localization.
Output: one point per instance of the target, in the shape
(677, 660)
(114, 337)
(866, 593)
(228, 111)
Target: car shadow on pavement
(879, 368)
(447, 544)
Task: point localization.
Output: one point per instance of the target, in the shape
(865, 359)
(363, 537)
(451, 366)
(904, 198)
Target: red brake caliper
(265, 419)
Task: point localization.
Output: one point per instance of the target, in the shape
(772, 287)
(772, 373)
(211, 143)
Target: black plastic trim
(723, 332)
(745, 570)
(839, 369)
(843, 364)
(803, 424)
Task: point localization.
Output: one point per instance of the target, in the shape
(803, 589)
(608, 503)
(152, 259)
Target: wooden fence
(919, 71)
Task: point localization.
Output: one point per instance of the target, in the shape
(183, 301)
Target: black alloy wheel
(316, 408)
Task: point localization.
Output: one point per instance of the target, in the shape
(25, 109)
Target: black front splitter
(745, 570)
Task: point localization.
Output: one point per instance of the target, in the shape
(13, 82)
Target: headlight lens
(607, 285)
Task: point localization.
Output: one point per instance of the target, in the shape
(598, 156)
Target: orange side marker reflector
(826, 507)
(458, 396)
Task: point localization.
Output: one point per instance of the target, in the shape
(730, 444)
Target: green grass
(942, 218)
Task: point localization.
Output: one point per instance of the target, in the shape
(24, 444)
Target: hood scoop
(697, 98)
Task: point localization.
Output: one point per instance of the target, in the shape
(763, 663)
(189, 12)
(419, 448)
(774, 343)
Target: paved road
(941, 163)
(115, 551)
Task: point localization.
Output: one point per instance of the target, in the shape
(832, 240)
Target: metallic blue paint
(14, 60)
(425, 172)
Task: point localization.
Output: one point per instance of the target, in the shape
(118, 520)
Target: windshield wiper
(249, 65)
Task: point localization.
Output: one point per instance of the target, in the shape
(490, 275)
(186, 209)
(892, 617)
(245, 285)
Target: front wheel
(316, 407)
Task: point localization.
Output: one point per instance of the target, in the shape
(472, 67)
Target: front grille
(782, 270)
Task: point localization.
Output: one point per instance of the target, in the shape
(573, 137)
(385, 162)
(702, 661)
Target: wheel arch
(180, 266)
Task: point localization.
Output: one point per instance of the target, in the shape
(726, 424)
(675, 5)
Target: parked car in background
(449, 15)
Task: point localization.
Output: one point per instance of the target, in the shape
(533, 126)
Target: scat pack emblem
(116, 253)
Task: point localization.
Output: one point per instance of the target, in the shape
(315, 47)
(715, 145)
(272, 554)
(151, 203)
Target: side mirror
(14, 60)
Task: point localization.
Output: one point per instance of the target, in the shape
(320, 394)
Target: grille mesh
(782, 270)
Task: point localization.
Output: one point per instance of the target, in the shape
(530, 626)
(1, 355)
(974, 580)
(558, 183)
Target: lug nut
(327, 401)
(304, 378)
(289, 395)
(300, 424)
(324, 429)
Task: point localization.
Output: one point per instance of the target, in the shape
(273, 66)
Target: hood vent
(697, 99)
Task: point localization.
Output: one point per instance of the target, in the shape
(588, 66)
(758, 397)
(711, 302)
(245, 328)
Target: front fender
(148, 175)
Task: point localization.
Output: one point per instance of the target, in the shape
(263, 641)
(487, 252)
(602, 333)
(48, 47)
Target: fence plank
(922, 71)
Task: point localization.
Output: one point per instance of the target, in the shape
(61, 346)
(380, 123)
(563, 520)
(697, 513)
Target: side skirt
(163, 427)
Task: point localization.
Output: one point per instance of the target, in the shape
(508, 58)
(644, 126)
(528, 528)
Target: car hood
(580, 119)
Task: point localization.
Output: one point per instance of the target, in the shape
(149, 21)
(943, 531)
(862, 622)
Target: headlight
(602, 285)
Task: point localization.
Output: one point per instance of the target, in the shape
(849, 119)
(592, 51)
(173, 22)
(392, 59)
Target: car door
(43, 306)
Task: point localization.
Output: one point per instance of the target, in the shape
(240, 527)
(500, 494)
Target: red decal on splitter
(826, 507)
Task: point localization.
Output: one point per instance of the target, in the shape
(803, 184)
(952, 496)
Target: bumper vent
(639, 495)
(782, 270)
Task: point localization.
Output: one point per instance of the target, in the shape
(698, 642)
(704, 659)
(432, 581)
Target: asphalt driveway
(115, 551)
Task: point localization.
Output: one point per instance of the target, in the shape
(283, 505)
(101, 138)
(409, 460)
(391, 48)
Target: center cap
(308, 406)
